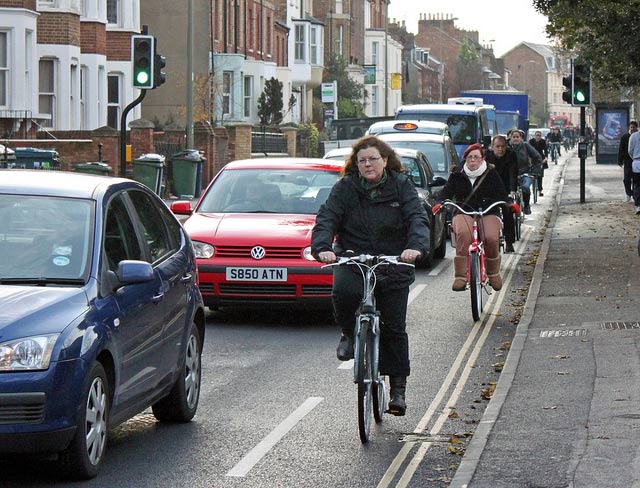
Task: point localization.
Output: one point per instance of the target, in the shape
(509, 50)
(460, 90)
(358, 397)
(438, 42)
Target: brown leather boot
(460, 273)
(493, 272)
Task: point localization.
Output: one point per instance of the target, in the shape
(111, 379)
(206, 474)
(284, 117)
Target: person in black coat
(374, 208)
(624, 160)
(504, 161)
(540, 145)
(475, 186)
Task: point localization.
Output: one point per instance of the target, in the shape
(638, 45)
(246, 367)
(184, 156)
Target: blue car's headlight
(27, 353)
(203, 250)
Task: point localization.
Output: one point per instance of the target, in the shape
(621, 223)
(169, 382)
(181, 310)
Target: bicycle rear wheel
(517, 225)
(364, 380)
(475, 282)
(535, 189)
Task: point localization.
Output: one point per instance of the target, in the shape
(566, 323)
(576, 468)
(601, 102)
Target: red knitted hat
(472, 147)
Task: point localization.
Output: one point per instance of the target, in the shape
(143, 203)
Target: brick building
(67, 64)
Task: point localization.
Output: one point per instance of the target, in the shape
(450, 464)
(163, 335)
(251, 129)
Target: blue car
(100, 314)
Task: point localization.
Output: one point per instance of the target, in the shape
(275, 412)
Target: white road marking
(438, 269)
(346, 364)
(423, 447)
(257, 453)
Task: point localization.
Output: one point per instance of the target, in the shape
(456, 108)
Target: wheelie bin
(93, 168)
(148, 170)
(186, 169)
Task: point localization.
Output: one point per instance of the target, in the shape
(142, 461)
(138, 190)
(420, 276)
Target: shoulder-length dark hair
(385, 150)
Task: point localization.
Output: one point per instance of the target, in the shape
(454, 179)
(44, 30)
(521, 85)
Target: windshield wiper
(42, 281)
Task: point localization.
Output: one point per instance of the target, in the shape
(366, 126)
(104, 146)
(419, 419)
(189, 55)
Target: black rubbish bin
(186, 168)
(148, 170)
(93, 168)
(34, 158)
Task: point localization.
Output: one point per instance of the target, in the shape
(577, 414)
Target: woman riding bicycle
(374, 209)
(475, 186)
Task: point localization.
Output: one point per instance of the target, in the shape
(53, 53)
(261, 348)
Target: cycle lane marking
(423, 447)
(265, 445)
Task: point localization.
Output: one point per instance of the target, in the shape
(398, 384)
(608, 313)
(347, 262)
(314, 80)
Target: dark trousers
(627, 178)
(392, 304)
(636, 189)
(509, 227)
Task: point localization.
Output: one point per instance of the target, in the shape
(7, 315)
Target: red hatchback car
(251, 230)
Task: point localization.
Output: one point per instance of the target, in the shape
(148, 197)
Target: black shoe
(397, 404)
(344, 351)
(527, 210)
(509, 248)
(540, 193)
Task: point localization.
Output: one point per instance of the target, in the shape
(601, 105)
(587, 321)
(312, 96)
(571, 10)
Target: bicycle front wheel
(365, 380)
(475, 281)
(535, 189)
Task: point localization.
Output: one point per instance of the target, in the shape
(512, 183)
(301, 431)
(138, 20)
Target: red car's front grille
(316, 290)
(270, 252)
(257, 289)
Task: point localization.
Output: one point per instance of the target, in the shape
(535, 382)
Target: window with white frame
(73, 96)
(47, 90)
(83, 97)
(340, 40)
(314, 42)
(227, 83)
(375, 48)
(338, 6)
(114, 82)
(113, 12)
(248, 95)
(4, 68)
(300, 43)
(46, 3)
(374, 101)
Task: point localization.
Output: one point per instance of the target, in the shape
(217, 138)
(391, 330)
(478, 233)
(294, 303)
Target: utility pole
(190, 75)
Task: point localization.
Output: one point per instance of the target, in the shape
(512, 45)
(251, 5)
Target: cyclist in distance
(529, 162)
(555, 137)
(374, 209)
(540, 145)
(505, 163)
(475, 186)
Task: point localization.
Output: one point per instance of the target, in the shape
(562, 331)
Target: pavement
(566, 409)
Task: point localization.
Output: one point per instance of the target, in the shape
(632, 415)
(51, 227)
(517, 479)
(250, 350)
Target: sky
(505, 22)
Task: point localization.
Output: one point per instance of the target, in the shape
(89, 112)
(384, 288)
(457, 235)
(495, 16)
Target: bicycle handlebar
(368, 260)
(478, 213)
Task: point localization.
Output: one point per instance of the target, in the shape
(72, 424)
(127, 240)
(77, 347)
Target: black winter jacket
(389, 224)
(488, 189)
(506, 166)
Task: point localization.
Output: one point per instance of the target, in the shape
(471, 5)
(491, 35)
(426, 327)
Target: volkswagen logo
(257, 252)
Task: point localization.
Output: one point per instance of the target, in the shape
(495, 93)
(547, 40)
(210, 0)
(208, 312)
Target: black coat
(488, 189)
(388, 224)
(506, 166)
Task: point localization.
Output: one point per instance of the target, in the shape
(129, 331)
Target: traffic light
(581, 84)
(142, 59)
(159, 62)
(567, 82)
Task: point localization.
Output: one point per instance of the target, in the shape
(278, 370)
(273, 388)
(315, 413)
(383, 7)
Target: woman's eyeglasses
(473, 156)
(368, 160)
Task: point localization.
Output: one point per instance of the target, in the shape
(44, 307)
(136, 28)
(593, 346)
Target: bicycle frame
(477, 279)
(371, 388)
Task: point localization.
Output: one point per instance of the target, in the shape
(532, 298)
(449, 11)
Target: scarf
(473, 175)
(373, 190)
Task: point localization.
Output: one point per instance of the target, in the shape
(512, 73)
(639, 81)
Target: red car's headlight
(203, 250)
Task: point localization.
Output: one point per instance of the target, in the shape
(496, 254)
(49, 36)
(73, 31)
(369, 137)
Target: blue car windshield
(45, 239)
(279, 190)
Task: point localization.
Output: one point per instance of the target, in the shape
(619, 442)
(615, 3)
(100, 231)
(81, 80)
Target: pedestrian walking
(634, 153)
(624, 160)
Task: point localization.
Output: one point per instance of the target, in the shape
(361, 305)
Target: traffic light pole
(582, 153)
(123, 132)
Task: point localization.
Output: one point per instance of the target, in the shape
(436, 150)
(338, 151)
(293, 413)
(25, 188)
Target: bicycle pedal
(398, 412)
